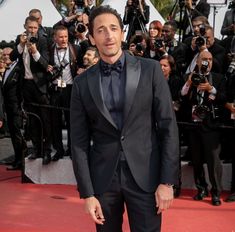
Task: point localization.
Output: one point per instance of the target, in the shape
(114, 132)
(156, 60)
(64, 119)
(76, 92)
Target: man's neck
(112, 59)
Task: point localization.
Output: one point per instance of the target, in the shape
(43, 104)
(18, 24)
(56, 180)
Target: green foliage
(164, 7)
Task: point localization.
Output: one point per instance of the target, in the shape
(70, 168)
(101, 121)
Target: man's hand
(164, 197)
(205, 86)
(1, 123)
(230, 106)
(93, 207)
(23, 39)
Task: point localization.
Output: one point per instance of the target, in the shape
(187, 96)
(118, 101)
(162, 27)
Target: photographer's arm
(187, 85)
(144, 13)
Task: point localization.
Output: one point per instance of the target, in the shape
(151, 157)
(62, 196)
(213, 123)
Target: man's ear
(92, 40)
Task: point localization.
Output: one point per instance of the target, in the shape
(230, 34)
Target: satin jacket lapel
(11, 74)
(94, 83)
(133, 70)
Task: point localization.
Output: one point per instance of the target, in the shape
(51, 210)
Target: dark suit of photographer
(192, 10)
(168, 45)
(207, 41)
(12, 94)
(204, 98)
(136, 16)
(32, 51)
(229, 133)
(63, 55)
(228, 26)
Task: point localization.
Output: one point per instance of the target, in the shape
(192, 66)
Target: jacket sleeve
(80, 142)
(167, 130)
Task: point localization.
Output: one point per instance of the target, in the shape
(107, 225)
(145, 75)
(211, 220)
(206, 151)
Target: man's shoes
(215, 200)
(230, 198)
(68, 153)
(14, 167)
(201, 194)
(177, 191)
(46, 159)
(32, 156)
(58, 155)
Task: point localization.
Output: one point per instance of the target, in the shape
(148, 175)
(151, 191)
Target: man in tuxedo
(32, 52)
(123, 133)
(63, 66)
(12, 94)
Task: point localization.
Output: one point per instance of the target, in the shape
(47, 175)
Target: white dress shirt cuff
(20, 48)
(36, 56)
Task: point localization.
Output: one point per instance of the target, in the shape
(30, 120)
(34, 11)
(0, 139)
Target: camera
(139, 47)
(58, 69)
(204, 66)
(80, 27)
(201, 111)
(32, 38)
(159, 43)
(231, 5)
(200, 40)
(198, 78)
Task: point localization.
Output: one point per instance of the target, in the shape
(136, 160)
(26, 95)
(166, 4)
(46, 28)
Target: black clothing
(135, 20)
(204, 137)
(60, 97)
(12, 94)
(35, 91)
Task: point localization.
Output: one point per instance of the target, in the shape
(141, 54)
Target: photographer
(32, 52)
(62, 69)
(170, 46)
(138, 45)
(76, 22)
(204, 96)
(228, 26)
(192, 9)
(206, 41)
(136, 16)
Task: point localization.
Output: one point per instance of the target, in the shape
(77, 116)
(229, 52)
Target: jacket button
(122, 138)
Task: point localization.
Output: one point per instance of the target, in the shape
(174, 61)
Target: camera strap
(58, 57)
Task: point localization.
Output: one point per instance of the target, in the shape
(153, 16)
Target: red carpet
(57, 208)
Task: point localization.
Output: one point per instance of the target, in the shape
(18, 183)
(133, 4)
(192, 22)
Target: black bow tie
(59, 48)
(107, 68)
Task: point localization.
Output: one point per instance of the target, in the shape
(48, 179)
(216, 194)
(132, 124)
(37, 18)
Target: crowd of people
(38, 73)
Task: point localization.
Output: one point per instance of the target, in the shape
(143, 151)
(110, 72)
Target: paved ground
(6, 149)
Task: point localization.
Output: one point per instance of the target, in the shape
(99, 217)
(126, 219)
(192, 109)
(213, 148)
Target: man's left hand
(164, 197)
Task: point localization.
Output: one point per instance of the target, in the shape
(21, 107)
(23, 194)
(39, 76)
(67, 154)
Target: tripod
(132, 26)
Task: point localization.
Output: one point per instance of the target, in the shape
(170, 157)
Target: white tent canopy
(13, 14)
(216, 18)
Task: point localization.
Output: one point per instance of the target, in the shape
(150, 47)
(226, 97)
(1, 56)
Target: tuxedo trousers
(125, 193)
(40, 126)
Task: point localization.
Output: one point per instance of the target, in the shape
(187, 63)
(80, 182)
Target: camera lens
(158, 43)
(80, 28)
(200, 41)
(139, 47)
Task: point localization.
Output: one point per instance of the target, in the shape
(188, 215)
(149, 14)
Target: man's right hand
(23, 39)
(93, 207)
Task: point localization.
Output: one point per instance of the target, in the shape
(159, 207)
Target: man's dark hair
(172, 24)
(31, 18)
(94, 49)
(99, 11)
(60, 28)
